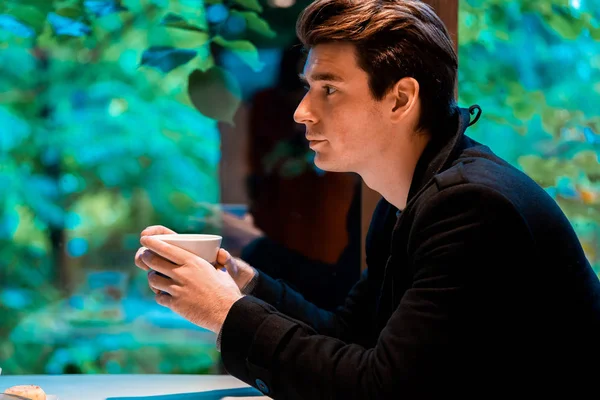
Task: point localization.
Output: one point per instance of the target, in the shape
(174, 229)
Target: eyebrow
(321, 76)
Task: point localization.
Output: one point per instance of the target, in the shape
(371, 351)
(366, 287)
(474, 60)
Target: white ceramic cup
(203, 245)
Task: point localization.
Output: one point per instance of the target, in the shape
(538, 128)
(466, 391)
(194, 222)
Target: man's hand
(239, 270)
(151, 230)
(192, 288)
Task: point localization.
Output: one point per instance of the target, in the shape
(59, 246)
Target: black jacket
(482, 290)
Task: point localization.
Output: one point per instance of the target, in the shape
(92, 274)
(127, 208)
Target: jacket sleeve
(345, 322)
(287, 358)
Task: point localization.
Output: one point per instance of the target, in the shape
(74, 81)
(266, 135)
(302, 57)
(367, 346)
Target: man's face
(346, 127)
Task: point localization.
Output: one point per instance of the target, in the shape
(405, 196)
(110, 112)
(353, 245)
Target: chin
(328, 166)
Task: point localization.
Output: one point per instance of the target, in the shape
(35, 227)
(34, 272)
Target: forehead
(335, 58)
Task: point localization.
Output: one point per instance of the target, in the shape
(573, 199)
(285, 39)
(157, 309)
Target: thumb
(248, 218)
(156, 230)
(224, 258)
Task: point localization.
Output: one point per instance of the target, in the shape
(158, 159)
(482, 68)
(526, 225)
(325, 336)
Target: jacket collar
(440, 152)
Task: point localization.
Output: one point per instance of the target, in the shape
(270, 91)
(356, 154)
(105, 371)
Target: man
(484, 291)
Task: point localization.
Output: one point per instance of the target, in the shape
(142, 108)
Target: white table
(103, 387)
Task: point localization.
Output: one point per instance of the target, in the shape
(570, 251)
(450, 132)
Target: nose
(303, 113)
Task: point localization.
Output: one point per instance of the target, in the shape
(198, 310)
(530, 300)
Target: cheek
(356, 133)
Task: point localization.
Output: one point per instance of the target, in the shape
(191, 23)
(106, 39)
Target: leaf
(43, 6)
(75, 13)
(13, 25)
(524, 110)
(588, 162)
(180, 38)
(565, 26)
(67, 26)
(176, 21)
(193, 15)
(166, 58)
(29, 16)
(256, 23)
(187, 39)
(215, 93)
(253, 5)
(100, 8)
(595, 33)
(206, 59)
(244, 49)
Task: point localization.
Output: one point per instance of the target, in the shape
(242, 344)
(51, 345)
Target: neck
(391, 174)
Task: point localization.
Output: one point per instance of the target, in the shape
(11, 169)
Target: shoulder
(477, 185)
(468, 217)
(479, 172)
(477, 164)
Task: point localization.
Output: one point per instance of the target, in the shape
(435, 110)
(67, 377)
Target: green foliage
(166, 58)
(255, 23)
(243, 49)
(183, 31)
(100, 139)
(533, 66)
(72, 127)
(253, 5)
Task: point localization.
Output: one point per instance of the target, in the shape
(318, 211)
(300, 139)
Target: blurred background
(119, 114)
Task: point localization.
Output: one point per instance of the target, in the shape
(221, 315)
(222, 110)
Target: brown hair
(393, 39)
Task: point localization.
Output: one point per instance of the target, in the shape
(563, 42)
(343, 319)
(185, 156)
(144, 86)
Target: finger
(156, 291)
(230, 218)
(157, 263)
(173, 253)
(225, 261)
(138, 259)
(164, 299)
(156, 230)
(223, 257)
(160, 283)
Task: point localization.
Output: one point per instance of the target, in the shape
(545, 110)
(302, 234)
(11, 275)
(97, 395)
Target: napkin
(208, 395)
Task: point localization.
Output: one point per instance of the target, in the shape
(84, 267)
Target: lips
(314, 143)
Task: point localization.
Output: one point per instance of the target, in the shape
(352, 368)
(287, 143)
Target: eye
(329, 90)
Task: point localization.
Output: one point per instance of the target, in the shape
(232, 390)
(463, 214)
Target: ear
(404, 99)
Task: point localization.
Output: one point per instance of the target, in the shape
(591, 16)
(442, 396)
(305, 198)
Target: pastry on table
(31, 392)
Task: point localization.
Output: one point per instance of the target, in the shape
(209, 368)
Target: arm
(422, 340)
(344, 323)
